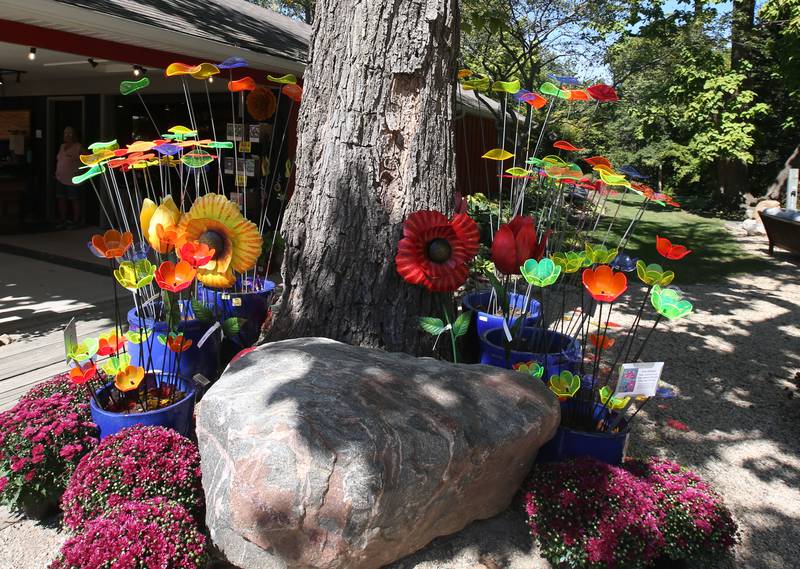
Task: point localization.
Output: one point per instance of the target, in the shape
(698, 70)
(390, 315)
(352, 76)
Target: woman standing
(69, 196)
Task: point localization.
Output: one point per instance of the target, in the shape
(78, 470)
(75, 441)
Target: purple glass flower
(665, 392)
(564, 79)
(167, 149)
(520, 95)
(137, 252)
(232, 63)
(632, 172)
(94, 250)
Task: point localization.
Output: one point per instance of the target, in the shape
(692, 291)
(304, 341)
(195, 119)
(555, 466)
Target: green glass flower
(670, 303)
(530, 368)
(83, 351)
(570, 262)
(138, 336)
(116, 364)
(134, 276)
(600, 255)
(564, 385)
(614, 403)
(653, 274)
(540, 273)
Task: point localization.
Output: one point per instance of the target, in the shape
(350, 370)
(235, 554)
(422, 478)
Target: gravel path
(733, 365)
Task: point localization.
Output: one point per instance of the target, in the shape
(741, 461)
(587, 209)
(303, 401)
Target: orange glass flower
(175, 277)
(79, 375)
(112, 244)
(129, 378)
(196, 254)
(293, 91)
(601, 342)
(178, 343)
(604, 284)
(110, 344)
(243, 84)
(167, 236)
(666, 249)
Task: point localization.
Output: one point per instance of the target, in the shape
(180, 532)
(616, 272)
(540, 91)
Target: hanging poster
(235, 131)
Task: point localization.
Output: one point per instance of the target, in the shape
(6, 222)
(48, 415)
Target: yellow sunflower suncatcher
(216, 221)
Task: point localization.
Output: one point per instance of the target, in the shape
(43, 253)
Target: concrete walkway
(37, 300)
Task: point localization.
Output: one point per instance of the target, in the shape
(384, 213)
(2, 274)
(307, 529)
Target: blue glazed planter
(253, 306)
(202, 360)
(177, 416)
(483, 321)
(563, 352)
(571, 443)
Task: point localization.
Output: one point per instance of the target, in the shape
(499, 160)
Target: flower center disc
(439, 250)
(214, 241)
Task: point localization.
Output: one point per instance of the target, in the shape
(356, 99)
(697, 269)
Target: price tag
(639, 379)
(241, 180)
(236, 301)
(225, 295)
(245, 146)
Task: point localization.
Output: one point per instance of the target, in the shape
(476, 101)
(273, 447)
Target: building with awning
(62, 61)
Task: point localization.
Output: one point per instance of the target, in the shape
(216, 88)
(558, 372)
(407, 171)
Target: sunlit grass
(716, 254)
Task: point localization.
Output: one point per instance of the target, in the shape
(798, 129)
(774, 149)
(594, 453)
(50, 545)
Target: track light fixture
(32, 54)
(137, 70)
(92, 62)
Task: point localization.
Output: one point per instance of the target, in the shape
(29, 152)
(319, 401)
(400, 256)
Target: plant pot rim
(597, 434)
(516, 296)
(160, 325)
(191, 391)
(266, 286)
(573, 342)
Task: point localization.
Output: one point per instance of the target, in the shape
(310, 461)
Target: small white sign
(639, 379)
(791, 188)
(70, 338)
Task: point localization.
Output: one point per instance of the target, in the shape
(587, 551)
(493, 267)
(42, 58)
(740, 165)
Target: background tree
(300, 9)
(375, 143)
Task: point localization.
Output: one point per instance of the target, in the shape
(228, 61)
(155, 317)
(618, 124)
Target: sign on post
(791, 188)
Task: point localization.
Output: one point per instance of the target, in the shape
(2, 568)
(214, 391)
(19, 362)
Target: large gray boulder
(319, 454)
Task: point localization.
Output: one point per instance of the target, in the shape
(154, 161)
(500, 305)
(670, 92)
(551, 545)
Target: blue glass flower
(623, 262)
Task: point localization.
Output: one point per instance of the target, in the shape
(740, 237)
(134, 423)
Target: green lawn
(716, 254)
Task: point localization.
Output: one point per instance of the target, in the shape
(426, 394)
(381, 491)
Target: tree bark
(733, 176)
(778, 186)
(375, 143)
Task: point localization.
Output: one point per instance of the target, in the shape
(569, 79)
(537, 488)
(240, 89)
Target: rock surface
(319, 454)
(753, 227)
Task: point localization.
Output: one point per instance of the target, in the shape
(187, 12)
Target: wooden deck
(39, 294)
(24, 364)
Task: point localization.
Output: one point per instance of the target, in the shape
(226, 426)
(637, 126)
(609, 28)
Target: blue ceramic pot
(153, 355)
(483, 321)
(252, 306)
(555, 351)
(571, 443)
(177, 416)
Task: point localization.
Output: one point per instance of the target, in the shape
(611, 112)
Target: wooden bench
(783, 229)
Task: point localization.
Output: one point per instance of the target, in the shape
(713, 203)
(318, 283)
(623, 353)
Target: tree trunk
(742, 20)
(375, 143)
(778, 185)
